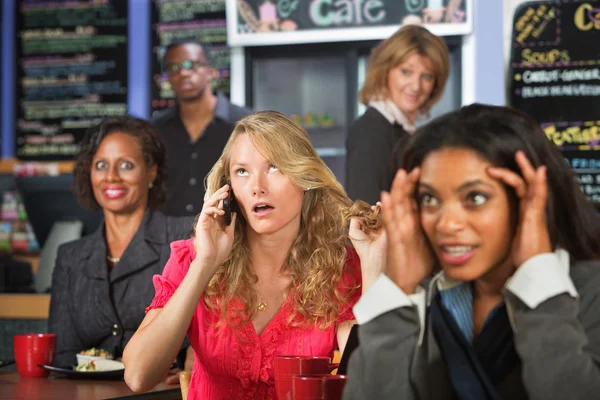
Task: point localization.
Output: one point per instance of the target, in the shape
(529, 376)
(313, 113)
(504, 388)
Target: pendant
(262, 306)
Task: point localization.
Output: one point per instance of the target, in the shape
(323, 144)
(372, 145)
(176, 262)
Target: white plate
(81, 358)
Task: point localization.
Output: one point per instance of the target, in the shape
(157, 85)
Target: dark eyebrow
(462, 187)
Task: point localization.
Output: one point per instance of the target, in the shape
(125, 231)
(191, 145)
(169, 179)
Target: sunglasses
(188, 65)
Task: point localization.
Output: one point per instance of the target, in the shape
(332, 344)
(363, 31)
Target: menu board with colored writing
(203, 20)
(71, 72)
(555, 78)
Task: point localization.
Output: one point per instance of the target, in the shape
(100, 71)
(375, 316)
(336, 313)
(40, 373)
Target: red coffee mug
(33, 349)
(288, 366)
(318, 387)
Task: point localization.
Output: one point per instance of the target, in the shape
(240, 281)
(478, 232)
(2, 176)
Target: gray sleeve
(60, 322)
(559, 346)
(380, 367)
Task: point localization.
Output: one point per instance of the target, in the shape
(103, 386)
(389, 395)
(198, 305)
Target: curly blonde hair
(317, 258)
(394, 51)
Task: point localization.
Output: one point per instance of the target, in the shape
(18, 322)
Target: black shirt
(373, 149)
(189, 162)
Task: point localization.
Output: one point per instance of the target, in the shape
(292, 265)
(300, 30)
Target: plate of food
(92, 354)
(91, 369)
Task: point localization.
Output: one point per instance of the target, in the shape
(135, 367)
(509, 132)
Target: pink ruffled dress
(238, 364)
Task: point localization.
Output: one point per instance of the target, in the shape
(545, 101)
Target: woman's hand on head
(409, 258)
(371, 248)
(213, 239)
(532, 236)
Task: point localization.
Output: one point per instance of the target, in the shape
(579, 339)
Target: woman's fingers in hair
(356, 232)
(510, 178)
(531, 186)
(540, 189)
(403, 188)
(399, 202)
(536, 180)
(413, 181)
(404, 184)
(376, 207)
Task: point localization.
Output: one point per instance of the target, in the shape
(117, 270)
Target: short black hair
(153, 149)
(206, 49)
(497, 133)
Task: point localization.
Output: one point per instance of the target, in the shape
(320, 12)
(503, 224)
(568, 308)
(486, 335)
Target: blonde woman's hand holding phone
(409, 258)
(213, 239)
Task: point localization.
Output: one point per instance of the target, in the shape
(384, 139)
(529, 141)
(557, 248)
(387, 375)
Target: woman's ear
(153, 173)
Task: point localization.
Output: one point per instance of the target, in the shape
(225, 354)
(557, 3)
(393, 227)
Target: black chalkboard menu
(555, 78)
(203, 20)
(71, 72)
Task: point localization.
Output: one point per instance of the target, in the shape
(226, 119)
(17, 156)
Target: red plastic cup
(287, 366)
(318, 387)
(33, 349)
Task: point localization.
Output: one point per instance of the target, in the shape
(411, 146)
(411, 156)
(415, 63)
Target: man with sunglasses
(196, 129)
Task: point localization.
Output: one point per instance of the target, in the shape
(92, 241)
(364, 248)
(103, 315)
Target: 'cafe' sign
(271, 16)
(325, 13)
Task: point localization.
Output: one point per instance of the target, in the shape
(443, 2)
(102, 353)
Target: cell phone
(229, 206)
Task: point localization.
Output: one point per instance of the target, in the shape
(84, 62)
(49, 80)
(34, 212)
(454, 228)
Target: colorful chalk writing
(71, 72)
(588, 134)
(203, 20)
(555, 70)
(534, 21)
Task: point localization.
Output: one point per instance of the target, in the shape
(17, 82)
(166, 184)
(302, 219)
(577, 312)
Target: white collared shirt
(393, 114)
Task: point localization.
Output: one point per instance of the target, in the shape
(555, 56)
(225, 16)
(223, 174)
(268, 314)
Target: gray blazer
(94, 307)
(558, 344)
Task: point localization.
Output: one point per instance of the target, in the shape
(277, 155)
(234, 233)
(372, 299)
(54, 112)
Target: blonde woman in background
(280, 279)
(406, 75)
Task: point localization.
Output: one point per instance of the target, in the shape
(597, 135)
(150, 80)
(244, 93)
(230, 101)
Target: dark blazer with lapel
(92, 306)
(558, 344)
(372, 155)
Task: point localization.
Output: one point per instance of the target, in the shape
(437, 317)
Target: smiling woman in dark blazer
(406, 76)
(102, 283)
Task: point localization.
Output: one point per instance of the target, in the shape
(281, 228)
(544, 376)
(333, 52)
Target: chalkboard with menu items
(71, 72)
(203, 20)
(555, 78)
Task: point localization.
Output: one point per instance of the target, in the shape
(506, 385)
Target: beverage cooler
(313, 74)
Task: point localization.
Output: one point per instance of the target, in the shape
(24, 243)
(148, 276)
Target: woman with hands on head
(512, 314)
(279, 280)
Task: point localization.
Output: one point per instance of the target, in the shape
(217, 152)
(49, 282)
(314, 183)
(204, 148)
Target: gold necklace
(262, 304)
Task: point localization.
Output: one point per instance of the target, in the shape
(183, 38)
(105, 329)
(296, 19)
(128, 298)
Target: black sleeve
(351, 345)
(68, 343)
(369, 168)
